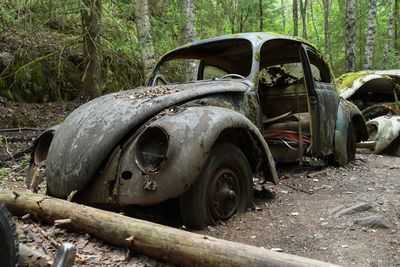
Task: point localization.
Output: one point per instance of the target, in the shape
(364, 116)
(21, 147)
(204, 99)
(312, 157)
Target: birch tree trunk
(389, 43)
(260, 6)
(350, 35)
(189, 34)
(326, 4)
(295, 18)
(396, 25)
(303, 11)
(369, 46)
(143, 26)
(283, 10)
(91, 27)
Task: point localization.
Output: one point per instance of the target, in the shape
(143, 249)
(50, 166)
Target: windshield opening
(206, 61)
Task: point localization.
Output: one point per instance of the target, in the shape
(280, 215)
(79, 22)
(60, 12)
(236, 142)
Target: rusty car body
(377, 94)
(201, 135)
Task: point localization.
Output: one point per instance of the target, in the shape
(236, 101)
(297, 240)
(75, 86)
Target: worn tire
(8, 239)
(351, 145)
(223, 188)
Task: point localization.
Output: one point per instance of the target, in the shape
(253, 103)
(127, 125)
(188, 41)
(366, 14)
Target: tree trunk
(295, 18)
(389, 43)
(303, 11)
(189, 33)
(369, 46)
(350, 35)
(396, 25)
(91, 27)
(326, 29)
(162, 242)
(143, 26)
(283, 10)
(260, 6)
(313, 22)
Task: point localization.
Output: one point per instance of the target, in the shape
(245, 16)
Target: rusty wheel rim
(224, 193)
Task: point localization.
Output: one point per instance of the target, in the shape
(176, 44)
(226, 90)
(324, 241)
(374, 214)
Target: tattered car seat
(286, 129)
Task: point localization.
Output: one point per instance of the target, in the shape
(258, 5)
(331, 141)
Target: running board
(367, 144)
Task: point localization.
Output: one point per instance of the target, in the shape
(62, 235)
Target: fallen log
(161, 242)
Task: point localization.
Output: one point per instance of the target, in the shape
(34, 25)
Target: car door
(323, 100)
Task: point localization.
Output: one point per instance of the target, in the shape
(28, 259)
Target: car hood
(91, 132)
(348, 84)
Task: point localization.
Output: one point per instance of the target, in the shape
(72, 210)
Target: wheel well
(360, 128)
(245, 142)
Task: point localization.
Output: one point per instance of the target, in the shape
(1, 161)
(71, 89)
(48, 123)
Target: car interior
(284, 100)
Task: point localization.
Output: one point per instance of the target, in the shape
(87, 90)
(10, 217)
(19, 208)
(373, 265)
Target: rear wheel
(9, 239)
(351, 145)
(223, 188)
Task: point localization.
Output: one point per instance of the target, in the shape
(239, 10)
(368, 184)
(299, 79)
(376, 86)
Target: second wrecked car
(376, 93)
(214, 113)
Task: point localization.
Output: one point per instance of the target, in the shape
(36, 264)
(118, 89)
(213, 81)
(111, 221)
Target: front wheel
(9, 239)
(223, 188)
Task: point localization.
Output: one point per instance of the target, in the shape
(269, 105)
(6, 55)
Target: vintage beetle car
(212, 113)
(376, 93)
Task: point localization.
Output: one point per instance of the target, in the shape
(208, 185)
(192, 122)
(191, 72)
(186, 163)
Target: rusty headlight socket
(42, 147)
(151, 149)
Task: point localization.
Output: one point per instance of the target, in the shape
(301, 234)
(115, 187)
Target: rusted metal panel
(377, 94)
(191, 132)
(383, 131)
(88, 135)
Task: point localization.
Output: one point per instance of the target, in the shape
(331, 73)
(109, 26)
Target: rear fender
(347, 113)
(192, 132)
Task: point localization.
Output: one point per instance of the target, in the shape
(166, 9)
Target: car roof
(255, 38)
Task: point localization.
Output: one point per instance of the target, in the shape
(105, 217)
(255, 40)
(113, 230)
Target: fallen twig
(8, 150)
(299, 189)
(21, 129)
(62, 222)
(313, 174)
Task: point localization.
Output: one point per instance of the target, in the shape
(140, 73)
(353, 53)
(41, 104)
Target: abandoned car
(376, 93)
(214, 113)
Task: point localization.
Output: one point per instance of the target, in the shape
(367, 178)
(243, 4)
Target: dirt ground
(300, 216)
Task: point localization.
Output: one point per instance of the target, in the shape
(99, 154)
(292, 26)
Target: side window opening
(319, 69)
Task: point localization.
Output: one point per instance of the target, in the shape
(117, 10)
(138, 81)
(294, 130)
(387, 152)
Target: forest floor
(304, 215)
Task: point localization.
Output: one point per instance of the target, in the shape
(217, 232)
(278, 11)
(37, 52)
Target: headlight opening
(151, 149)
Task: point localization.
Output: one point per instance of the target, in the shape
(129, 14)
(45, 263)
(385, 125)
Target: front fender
(384, 130)
(192, 132)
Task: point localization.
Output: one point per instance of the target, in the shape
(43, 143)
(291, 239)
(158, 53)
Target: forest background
(56, 50)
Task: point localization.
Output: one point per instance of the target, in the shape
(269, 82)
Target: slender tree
(389, 43)
(369, 47)
(303, 11)
(350, 35)
(295, 18)
(261, 13)
(91, 27)
(189, 34)
(396, 25)
(143, 26)
(283, 10)
(326, 5)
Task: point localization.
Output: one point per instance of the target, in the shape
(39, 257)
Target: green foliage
(4, 172)
(43, 39)
(24, 162)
